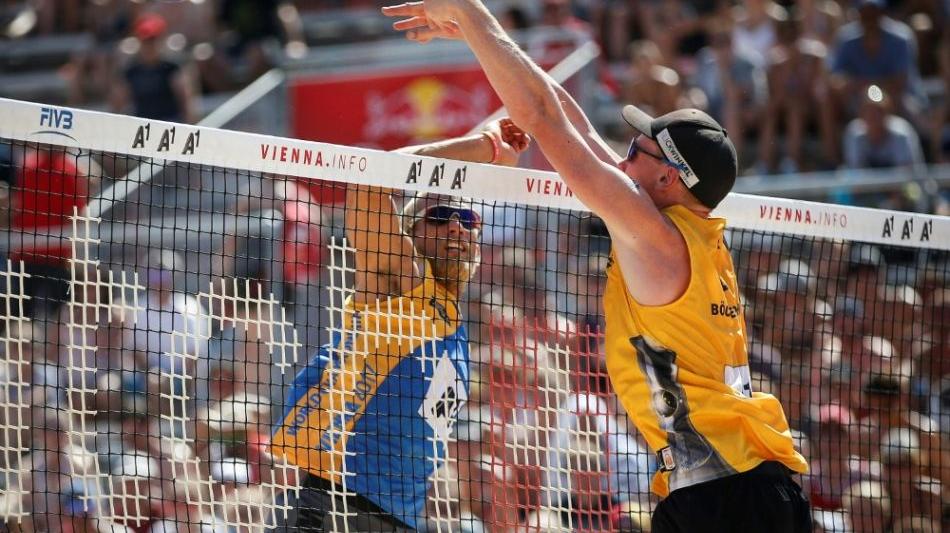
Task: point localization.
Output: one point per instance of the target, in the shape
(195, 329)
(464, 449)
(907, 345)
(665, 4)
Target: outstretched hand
(512, 140)
(424, 21)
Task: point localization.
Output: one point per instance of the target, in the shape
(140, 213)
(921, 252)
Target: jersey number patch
(444, 398)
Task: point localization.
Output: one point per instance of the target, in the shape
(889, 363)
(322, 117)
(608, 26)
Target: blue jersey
(373, 409)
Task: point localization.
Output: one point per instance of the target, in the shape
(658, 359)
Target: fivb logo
(58, 119)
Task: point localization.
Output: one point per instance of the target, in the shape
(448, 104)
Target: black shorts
(316, 512)
(765, 498)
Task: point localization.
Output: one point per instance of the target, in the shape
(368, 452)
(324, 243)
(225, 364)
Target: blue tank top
(373, 409)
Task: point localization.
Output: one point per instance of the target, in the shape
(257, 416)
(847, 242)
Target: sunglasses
(634, 149)
(439, 215)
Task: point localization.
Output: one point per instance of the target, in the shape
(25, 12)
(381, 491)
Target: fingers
(417, 24)
(508, 125)
(518, 141)
(408, 9)
(422, 35)
(522, 142)
(513, 135)
(411, 23)
(428, 31)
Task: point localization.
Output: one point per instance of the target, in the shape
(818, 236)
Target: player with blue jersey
(368, 419)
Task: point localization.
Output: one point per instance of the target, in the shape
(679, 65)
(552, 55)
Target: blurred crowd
(110, 416)
(801, 86)
(163, 60)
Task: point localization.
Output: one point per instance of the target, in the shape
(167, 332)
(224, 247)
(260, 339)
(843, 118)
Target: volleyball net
(165, 291)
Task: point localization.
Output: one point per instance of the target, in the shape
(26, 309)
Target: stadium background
(334, 72)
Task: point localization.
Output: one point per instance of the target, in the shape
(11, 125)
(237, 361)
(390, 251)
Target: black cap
(696, 141)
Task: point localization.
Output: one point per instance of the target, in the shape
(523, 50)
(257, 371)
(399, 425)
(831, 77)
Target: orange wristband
(495, 149)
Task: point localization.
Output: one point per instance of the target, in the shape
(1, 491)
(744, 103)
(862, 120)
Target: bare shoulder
(655, 275)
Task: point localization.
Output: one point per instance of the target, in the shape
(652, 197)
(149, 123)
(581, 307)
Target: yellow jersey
(682, 372)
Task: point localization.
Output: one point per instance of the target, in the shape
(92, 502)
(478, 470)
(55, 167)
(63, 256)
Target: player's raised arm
(629, 211)
(386, 260)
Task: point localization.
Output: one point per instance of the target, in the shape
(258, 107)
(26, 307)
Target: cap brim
(639, 120)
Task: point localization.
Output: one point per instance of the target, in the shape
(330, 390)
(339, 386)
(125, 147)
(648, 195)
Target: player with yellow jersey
(676, 349)
(369, 417)
(666, 360)
(676, 344)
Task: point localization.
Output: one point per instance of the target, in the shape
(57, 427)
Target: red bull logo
(425, 109)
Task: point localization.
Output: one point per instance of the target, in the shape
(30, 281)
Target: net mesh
(172, 296)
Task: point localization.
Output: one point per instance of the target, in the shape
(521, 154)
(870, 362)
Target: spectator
(249, 26)
(734, 86)
(875, 50)
(928, 497)
(886, 408)
(152, 86)
(7, 168)
(901, 458)
(558, 14)
(304, 235)
(939, 128)
(761, 253)
(525, 387)
(166, 311)
(868, 507)
(831, 474)
(606, 463)
(587, 506)
(45, 469)
(237, 429)
(794, 318)
(916, 524)
(254, 348)
(865, 273)
(901, 307)
(849, 327)
(797, 97)
(584, 280)
(514, 18)
(878, 138)
(933, 378)
(669, 25)
(51, 185)
(820, 19)
(830, 263)
(135, 497)
(927, 20)
(656, 87)
(755, 31)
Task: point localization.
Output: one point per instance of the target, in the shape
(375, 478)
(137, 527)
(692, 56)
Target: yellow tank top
(682, 372)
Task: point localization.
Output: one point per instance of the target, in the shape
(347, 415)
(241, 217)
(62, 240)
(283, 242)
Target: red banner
(389, 109)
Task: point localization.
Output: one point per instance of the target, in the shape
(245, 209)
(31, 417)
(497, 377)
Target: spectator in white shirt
(878, 138)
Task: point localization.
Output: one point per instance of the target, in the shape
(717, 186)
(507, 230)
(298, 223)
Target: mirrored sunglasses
(442, 214)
